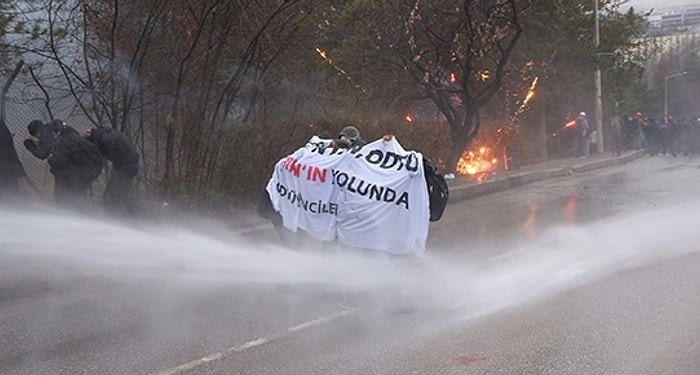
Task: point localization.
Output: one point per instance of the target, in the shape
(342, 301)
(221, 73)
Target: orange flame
(478, 164)
(531, 91)
(528, 96)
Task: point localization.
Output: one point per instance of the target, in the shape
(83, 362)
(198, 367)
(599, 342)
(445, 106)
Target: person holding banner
(289, 239)
(349, 137)
(372, 197)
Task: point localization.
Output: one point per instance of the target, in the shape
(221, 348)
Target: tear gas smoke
(563, 258)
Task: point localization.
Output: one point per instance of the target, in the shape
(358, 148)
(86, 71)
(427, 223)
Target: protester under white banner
(371, 197)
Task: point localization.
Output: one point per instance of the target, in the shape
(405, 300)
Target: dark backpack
(265, 209)
(93, 161)
(438, 191)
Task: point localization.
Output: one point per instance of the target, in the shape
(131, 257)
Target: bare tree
(176, 74)
(455, 52)
(459, 55)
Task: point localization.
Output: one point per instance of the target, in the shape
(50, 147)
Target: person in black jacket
(117, 148)
(11, 169)
(69, 159)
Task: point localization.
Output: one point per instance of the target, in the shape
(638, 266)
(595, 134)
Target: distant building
(674, 20)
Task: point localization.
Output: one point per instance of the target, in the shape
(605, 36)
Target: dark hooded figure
(70, 160)
(11, 169)
(349, 137)
(117, 148)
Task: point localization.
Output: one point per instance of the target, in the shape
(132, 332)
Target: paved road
(591, 273)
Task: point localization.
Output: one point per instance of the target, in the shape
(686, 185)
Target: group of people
(627, 132)
(75, 160)
(660, 136)
(576, 137)
(349, 138)
(656, 136)
(674, 136)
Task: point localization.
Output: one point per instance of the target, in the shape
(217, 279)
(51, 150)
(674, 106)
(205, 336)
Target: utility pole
(597, 80)
(666, 92)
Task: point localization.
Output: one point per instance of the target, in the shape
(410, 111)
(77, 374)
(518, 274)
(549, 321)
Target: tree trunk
(169, 159)
(463, 129)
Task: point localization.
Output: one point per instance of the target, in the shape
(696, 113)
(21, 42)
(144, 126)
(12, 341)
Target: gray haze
(660, 4)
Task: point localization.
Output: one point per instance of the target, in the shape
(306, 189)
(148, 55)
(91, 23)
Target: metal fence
(19, 105)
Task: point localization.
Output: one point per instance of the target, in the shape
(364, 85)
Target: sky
(658, 4)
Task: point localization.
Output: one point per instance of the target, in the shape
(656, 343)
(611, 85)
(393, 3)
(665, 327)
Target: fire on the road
(478, 164)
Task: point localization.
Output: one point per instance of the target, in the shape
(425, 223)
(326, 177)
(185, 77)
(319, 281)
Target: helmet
(350, 132)
(36, 127)
(56, 125)
(582, 114)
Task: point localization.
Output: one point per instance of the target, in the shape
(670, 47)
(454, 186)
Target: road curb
(461, 192)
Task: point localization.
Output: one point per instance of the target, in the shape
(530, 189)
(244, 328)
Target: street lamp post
(597, 81)
(666, 92)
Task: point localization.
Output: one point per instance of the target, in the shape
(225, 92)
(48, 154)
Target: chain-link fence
(19, 108)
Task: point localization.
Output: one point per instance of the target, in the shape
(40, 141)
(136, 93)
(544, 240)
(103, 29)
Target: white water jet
(177, 254)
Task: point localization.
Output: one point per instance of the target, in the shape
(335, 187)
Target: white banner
(373, 197)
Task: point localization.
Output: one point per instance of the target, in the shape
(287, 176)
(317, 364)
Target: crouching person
(117, 148)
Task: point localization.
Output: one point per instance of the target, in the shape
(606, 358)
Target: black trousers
(71, 194)
(118, 194)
